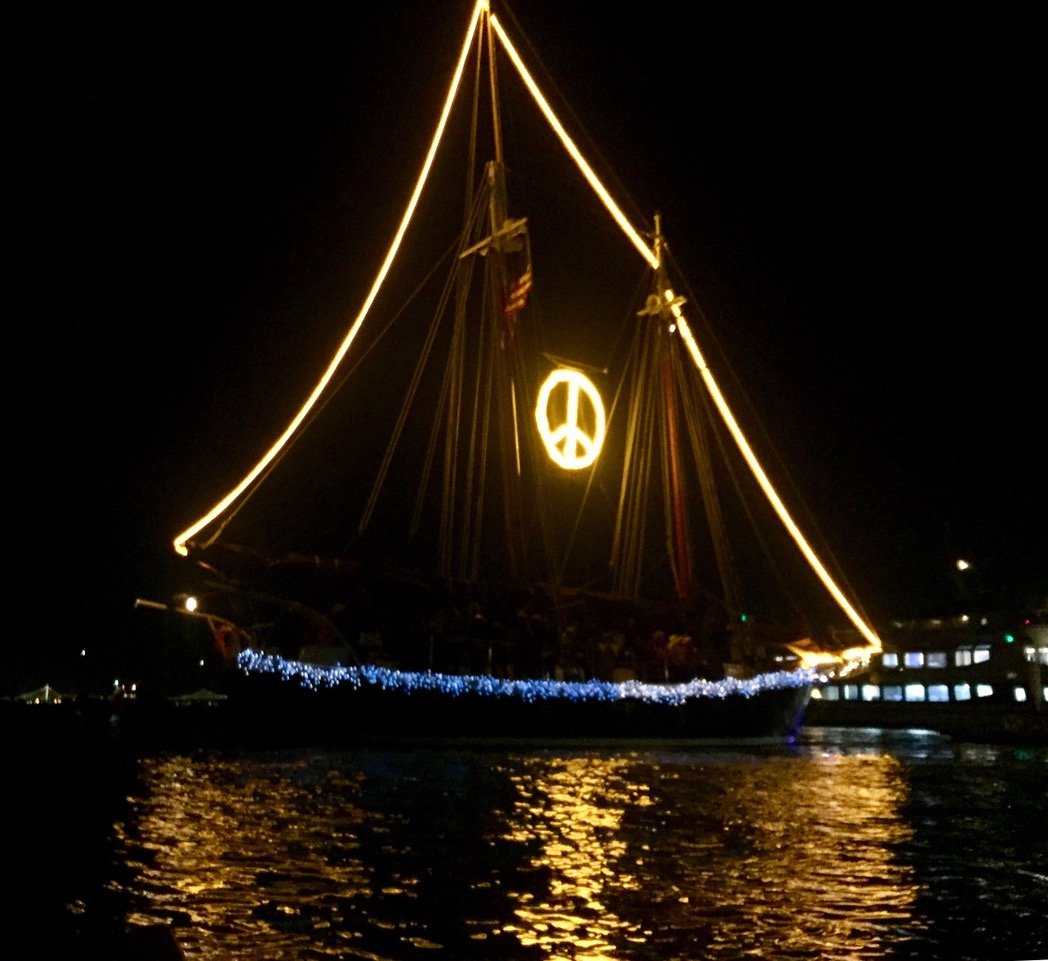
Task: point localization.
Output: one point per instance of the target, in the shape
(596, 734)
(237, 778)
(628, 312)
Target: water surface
(850, 844)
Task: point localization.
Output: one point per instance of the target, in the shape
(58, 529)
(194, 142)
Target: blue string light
(317, 678)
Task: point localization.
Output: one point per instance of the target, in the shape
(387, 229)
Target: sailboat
(522, 560)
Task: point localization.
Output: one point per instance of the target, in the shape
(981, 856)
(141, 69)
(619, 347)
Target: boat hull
(973, 679)
(967, 721)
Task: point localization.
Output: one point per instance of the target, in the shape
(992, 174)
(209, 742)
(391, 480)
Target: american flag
(518, 293)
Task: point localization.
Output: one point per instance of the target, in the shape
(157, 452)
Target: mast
(678, 541)
(505, 297)
(507, 239)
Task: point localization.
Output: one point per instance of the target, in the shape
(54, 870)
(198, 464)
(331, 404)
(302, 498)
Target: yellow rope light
(569, 145)
(758, 472)
(278, 445)
(638, 242)
(693, 348)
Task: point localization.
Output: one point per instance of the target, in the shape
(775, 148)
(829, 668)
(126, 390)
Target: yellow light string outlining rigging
(638, 242)
(220, 508)
(722, 406)
(765, 484)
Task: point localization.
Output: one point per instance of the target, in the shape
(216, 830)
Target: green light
(1009, 638)
(744, 618)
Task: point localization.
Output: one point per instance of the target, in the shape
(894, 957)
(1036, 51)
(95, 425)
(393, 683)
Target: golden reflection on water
(730, 857)
(595, 855)
(227, 857)
(574, 807)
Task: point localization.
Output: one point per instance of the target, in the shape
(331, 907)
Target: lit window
(893, 692)
(831, 692)
(962, 657)
(984, 690)
(938, 693)
(982, 653)
(851, 692)
(914, 692)
(962, 692)
(889, 659)
(936, 659)
(1020, 694)
(913, 659)
(871, 692)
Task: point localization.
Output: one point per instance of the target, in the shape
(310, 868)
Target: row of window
(938, 693)
(962, 657)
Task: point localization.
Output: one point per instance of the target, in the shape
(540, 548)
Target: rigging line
(451, 407)
(450, 392)
(632, 479)
(642, 442)
(449, 399)
(747, 508)
(405, 407)
(696, 416)
(680, 543)
(628, 370)
(569, 145)
(722, 406)
(565, 106)
(709, 337)
(570, 543)
(644, 494)
(220, 508)
(769, 491)
(412, 390)
(314, 414)
(664, 477)
(485, 430)
(474, 202)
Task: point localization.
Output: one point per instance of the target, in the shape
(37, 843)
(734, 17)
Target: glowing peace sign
(569, 445)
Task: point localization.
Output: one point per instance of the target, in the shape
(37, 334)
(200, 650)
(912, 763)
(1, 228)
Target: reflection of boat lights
(573, 808)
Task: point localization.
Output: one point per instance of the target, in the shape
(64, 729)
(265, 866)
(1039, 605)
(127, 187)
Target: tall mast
(506, 237)
(678, 541)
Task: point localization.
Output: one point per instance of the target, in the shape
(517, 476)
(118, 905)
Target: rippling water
(853, 844)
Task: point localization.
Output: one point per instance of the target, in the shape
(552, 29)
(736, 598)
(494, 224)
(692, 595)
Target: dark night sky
(201, 199)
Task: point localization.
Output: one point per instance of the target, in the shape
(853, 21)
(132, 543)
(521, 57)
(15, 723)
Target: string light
(369, 676)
